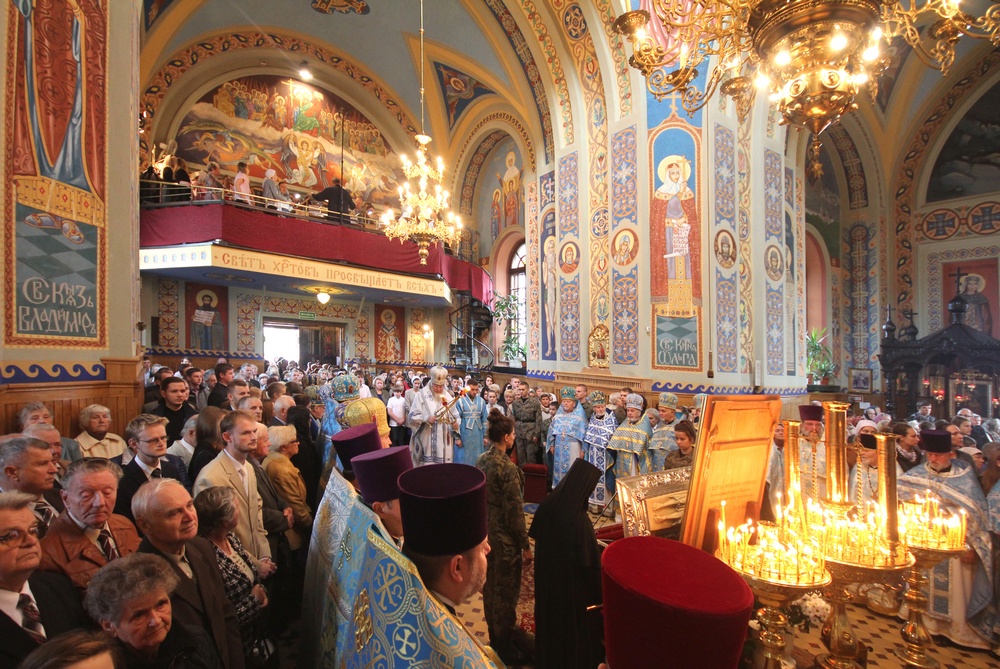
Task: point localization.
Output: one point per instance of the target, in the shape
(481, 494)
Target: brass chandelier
(813, 56)
(424, 217)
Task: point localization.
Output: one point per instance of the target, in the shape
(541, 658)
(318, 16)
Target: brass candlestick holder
(915, 636)
(837, 633)
(775, 596)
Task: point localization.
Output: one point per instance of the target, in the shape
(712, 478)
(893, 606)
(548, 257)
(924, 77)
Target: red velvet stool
(667, 604)
(535, 483)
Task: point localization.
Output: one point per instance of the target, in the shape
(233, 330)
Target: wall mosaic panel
(549, 282)
(624, 188)
(625, 301)
(418, 345)
(55, 162)
(861, 295)
(746, 267)
(914, 157)
(361, 332)
(724, 251)
(531, 71)
(800, 258)
(168, 308)
(569, 213)
(963, 221)
(775, 325)
(774, 260)
(569, 319)
(458, 90)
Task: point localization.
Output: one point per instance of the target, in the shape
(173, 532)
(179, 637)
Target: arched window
(517, 284)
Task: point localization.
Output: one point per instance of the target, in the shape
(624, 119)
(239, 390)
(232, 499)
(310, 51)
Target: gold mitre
(367, 410)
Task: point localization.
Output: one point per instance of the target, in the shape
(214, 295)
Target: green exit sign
(307, 315)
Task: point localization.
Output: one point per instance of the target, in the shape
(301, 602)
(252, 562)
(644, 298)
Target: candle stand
(775, 596)
(915, 637)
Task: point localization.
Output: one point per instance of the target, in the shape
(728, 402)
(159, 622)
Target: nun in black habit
(567, 575)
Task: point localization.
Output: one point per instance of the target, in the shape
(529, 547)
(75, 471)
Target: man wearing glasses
(146, 435)
(34, 606)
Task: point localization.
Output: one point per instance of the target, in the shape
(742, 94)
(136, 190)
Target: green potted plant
(507, 309)
(819, 357)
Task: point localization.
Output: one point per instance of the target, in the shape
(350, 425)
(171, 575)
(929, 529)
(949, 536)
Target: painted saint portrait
(774, 263)
(207, 309)
(979, 316)
(569, 258)
(978, 284)
(624, 247)
(725, 249)
(673, 221)
(388, 345)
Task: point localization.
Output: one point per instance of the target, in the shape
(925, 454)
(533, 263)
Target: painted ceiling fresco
(308, 135)
(969, 162)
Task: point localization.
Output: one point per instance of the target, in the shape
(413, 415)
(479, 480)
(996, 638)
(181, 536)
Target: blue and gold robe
(662, 442)
(566, 433)
(631, 443)
(964, 615)
(599, 431)
(472, 414)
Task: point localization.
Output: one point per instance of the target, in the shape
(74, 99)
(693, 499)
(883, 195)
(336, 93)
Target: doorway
(294, 340)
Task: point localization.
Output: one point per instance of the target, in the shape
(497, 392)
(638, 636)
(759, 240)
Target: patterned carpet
(880, 633)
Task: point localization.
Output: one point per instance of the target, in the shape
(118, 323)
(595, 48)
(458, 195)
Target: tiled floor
(880, 633)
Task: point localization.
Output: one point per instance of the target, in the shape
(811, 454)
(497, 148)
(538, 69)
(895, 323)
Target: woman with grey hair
(130, 599)
(288, 482)
(992, 427)
(218, 515)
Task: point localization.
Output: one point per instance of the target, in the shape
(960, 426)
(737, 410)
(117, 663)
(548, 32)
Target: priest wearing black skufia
(567, 575)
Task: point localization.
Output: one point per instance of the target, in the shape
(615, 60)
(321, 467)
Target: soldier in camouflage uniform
(508, 543)
(527, 413)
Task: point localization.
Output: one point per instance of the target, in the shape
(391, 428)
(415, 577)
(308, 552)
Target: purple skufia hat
(443, 508)
(810, 412)
(354, 441)
(935, 441)
(376, 472)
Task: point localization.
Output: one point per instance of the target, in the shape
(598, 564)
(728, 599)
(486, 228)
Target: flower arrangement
(810, 610)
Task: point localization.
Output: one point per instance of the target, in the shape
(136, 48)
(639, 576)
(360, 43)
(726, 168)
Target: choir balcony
(286, 247)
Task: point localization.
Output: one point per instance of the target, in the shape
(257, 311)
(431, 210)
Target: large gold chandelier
(813, 56)
(424, 217)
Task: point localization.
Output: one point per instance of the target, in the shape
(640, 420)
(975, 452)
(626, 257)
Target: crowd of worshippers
(169, 182)
(183, 541)
(955, 460)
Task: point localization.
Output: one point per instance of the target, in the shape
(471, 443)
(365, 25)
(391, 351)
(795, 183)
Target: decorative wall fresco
(548, 313)
(625, 304)
(675, 245)
(979, 283)
(55, 285)
(861, 296)
(532, 239)
(724, 251)
(941, 286)
(584, 53)
(475, 166)
(569, 213)
(341, 6)
(569, 314)
(418, 345)
(800, 246)
(774, 261)
(980, 219)
(308, 135)
(823, 205)
(182, 61)
(966, 164)
(168, 309)
(854, 169)
(623, 82)
(152, 10)
(558, 77)
(206, 316)
(390, 333)
(791, 291)
(459, 90)
(914, 156)
(531, 71)
(746, 265)
(896, 53)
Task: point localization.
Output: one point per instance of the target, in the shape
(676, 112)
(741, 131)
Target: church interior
(639, 215)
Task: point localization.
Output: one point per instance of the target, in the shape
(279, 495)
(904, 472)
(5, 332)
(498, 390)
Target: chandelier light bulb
(783, 58)
(871, 53)
(762, 81)
(838, 42)
(861, 78)
(877, 33)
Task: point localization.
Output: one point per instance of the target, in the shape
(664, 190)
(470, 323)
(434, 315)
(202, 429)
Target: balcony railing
(162, 195)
